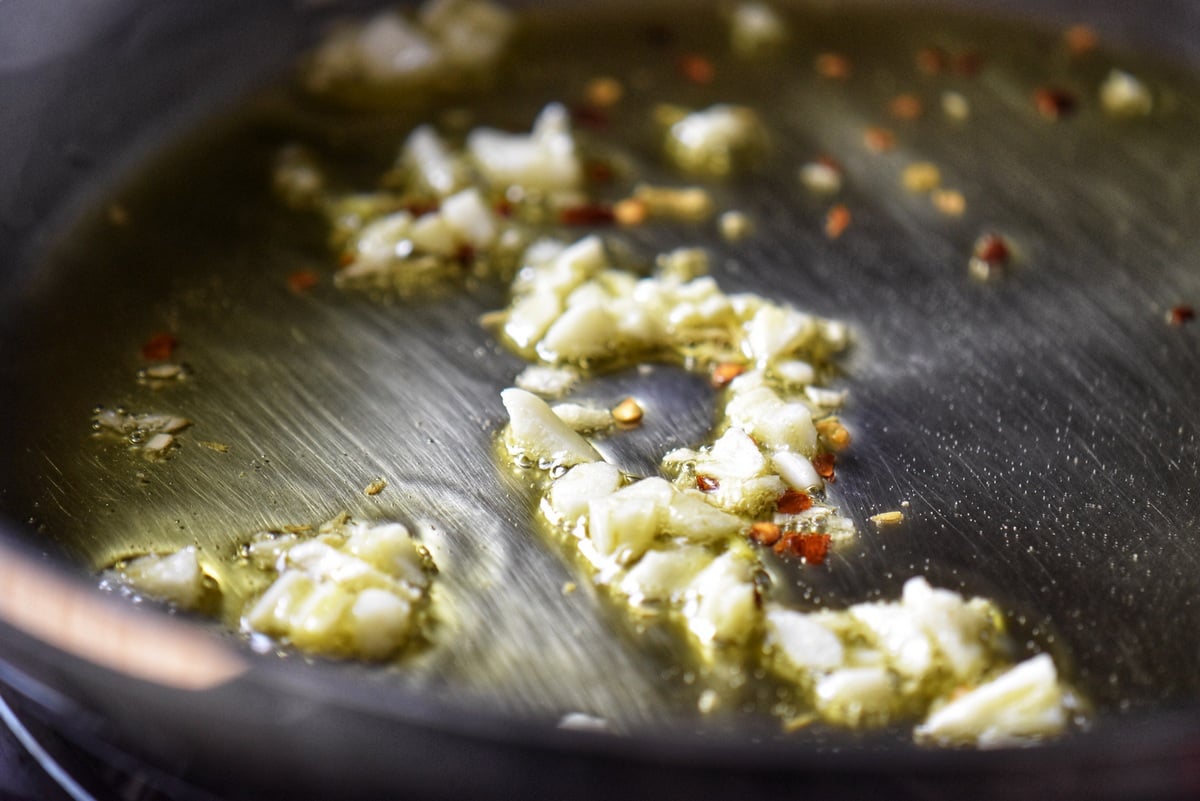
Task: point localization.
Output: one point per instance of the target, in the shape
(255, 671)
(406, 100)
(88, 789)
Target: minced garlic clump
(350, 590)
(683, 545)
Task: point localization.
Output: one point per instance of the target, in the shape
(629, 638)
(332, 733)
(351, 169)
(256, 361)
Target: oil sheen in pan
(1039, 426)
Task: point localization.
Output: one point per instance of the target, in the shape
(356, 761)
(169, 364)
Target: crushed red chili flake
(823, 463)
(968, 64)
(833, 65)
(765, 533)
(465, 254)
(302, 280)
(1080, 39)
(599, 172)
(1052, 103)
(830, 162)
(707, 483)
(422, 207)
(932, 60)
(588, 214)
(906, 107)
(878, 140)
(793, 502)
(346, 259)
(991, 248)
(725, 372)
(812, 547)
(159, 347)
(1178, 315)
(697, 69)
(503, 208)
(837, 221)
(588, 116)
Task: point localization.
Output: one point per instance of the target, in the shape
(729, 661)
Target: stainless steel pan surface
(1040, 429)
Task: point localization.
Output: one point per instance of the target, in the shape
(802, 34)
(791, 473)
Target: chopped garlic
(584, 419)
(570, 495)
(802, 642)
(716, 139)
(1123, 95)
(538, 434)
(436, 168)
(755, 27)
(721, 603)
(175, 578)
(888, 518)
(544, 160)
(450, 37)
(956, 106)
(690, 204)
(353, 593)
(662, 576)
(622, 526)
(1025, 702)
(550, 382)
(472, 34)
(857, 696)
(821, 178)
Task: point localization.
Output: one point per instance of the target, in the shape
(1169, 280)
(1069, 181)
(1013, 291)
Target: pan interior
(1041, 428)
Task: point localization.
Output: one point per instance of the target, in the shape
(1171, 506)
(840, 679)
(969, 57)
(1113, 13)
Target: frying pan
(1043, 430)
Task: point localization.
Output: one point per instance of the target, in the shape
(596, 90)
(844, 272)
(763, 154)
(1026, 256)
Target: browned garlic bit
(628, 412)
(888, 518)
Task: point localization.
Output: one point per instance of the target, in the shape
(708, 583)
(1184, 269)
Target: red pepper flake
(812, 547)
(707, 483)
(991, 248)
(1080, 39)
(465, 254)
(906, 107)
(588, 214)
(989, 256)
(932, 60)
(830, 162)
(503, 208)
(823, 463)
(793, 502)
(159, 347)
(419, 208)
(1054, 104)
(599, 172)
(878, 140)
(346, 259)
(837, 221)
(697, 69)
(968, 64)
(301, 280)
(765, 533)
(1181, 314)
(725, 372)
(589, 116)
(833, 65)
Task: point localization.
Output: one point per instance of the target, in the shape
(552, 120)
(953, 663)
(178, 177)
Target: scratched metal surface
(1042, 428)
